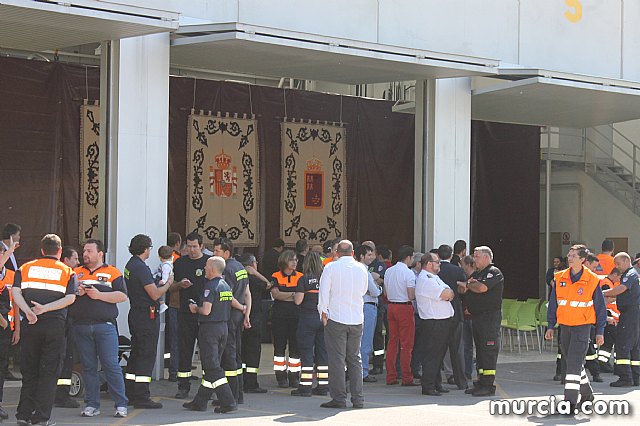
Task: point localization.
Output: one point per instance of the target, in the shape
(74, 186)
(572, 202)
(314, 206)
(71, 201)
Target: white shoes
(121, 412)
(90, 412)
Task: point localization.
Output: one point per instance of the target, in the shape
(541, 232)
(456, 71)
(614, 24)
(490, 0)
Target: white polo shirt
(429, 287)
(397, 280)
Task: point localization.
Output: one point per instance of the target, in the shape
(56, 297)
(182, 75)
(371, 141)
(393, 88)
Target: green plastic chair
(536, 301)
(511, 320)
(506, 305)
(526, 322)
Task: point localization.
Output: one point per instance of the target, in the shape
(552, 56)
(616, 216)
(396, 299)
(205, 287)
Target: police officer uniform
(193, 270)
(284, 326)
(310, 336)
(43, 280)
(627, 365)
(238, 279)
(486, 309)
(64, 378)
(251, 337)
(576, 304)
(212, 337)
(144, 325)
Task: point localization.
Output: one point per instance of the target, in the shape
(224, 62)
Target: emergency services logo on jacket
(206, 293)
(198, 272)
(580, 291)
(80, 275)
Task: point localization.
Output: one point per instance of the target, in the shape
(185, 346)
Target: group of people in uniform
(594, 304)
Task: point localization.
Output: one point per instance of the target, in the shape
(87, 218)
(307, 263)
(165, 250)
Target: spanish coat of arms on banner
(313, 182)
(91, 160)
(223, 174)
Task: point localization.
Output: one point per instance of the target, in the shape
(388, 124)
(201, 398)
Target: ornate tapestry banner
(91, 160)
(313, 182)
(223, 173)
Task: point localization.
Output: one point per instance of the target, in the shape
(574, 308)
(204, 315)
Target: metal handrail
(615, 144)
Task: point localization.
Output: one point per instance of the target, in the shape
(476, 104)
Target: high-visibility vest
(612, 307)
(175, 256)
(605, 264)
(287, 280)
(5, 285)
(575, 300)
(45, 274)
(327, 260)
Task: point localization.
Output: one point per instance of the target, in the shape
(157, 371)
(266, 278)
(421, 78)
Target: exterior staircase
(616, 169)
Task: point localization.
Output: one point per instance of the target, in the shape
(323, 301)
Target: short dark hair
(224, 243)
(165, 252)
(426, 258)
(582, 250)
(608, 245)
(459, 245)
(468, 260)
(327, 246)
(615, 271)
(301, 245)
(139, 244)
(67, 252)
(278, 243)
(362, 251)
(50, 244)
(10, 229)
(404, 252)
(433, 251)
(99, 244)
(247, 258)
(445, 252)
(194, 236)
(592, 258)
(173, 239)
(384, 251)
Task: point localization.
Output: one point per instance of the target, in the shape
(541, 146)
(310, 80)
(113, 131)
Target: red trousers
(401, 329)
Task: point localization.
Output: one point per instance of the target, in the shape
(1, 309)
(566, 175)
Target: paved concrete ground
(527, 375)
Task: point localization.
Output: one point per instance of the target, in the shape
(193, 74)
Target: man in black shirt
(94, 316)
(144, 322)
(251, 337)
(269, 263)
(213, 314)
(189, 276)
(459, 252)
(484, 301)
(238, 279)
(302, 248)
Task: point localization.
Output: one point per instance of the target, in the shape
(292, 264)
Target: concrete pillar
(138, 149)
(443, 131)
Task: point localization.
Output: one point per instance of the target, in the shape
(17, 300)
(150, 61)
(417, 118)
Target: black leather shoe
(283, 384)
(471, 390)
(225, 409)
(147, 404)
(484, 392)
(557, 378)
(182, 394)
(431, 392)
(193, 406)
(301, 392)
(597, 379)
(333, 404)
(451, 380)
(255, 390)
(369, 379)
(358, 405)
(320, 391)
(621, 384)
(442, 390)
(375, 371)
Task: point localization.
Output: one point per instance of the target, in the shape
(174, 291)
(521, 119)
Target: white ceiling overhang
(37, 26)
(247, 49)
(539, 97)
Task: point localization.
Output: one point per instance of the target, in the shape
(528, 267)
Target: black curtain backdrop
(380, 154)
(40, 147)
(505, 201)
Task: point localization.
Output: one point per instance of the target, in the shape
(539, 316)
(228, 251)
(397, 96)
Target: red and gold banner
(313, 182)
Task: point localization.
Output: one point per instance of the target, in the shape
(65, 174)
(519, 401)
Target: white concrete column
(443, 110)
(138, 148)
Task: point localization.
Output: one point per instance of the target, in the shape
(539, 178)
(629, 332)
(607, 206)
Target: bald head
(345, 248)
(622, 261)
(214, 267)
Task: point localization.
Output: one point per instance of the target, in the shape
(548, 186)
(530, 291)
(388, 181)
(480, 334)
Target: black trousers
(40, 364)
(457, 362)
(5, 344)
(574, 345)
(417, 353)
(380, 340)
(591, 358)
(486, 335)
(284, 332)
(212, 338)
(606, 350)
(231, 362)
(434, 340)
(312, 351)
(627, 365)
(251, 352)
(68, 349)
(144, 346)
(187, 335)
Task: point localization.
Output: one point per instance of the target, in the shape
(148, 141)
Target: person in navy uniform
(213, 314)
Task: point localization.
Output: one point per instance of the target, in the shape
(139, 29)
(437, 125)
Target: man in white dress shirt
(433, 298)
(342, 285)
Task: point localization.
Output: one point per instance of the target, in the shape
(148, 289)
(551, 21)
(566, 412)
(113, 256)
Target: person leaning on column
(576, 304)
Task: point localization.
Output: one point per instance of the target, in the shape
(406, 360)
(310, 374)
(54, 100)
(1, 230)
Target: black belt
(400, 303)
(371, 303)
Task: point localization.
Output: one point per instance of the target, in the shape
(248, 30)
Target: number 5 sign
(574, 14)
